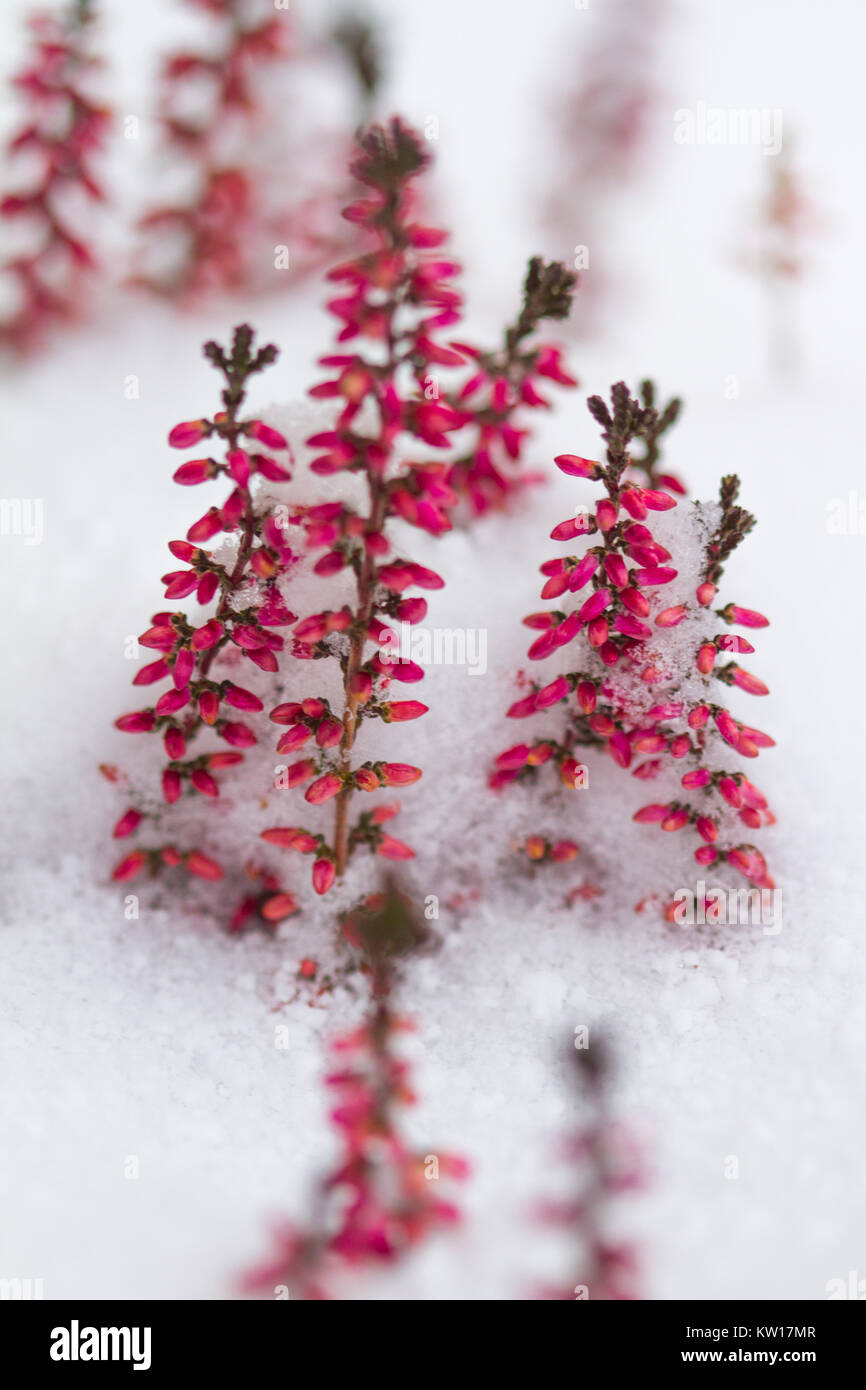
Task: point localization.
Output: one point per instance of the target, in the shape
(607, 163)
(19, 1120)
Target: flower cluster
(395, 297)
(635, 690)
(504, 382)
(62, 137)
(379, 1201)
(211, 112)
(248, 609)
(607, 1164)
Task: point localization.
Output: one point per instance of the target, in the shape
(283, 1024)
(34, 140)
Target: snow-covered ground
(154, 1039)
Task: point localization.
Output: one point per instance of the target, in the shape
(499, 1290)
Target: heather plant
(605, 1161)
(61, 137)
(380, 1199)
(502, 384)
(394, 298)
(643, 674)
(213, 114)
(198, 656)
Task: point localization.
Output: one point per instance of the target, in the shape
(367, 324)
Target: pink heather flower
(171, 785)
(707, 829)
(398, 711)
(130, 867)
(552, 694)
(745, 617)
(127, 824)
(576, 467)
(204, 783)
(706, 658)
(746, 681)
(324, 873)
(389, 848)
(699, 778)
(323, 789)
(594, 605)
(265, 434)
(399, 774)
(705, 854)
(141, 722)
(587, 696)
(201, 866)
(290, 837)
(183, 436)
(705, 593)
(671, 616)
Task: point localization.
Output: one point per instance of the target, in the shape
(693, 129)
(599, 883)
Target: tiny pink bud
(398, 711)
(290, 837)
(127, 824)
(745, 617)
(271, 438)
(706, 658)
(389, 848)
(171, 785)
(194, 472)
(322, 790)
(130, 867)
(329, 733)
(204, 783)
(586, 696)
(209, 706)
(324, 873)
(183, 436)
(671, 616)
(699, 778)
(575, 466)
(707, 829)
(400, 774)
(199, 864)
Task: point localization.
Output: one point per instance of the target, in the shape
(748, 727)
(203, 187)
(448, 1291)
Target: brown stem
(366, 588)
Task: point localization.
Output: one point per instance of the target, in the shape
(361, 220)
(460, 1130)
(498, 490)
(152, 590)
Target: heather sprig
(63, 137)
(208, 242)
(504, 382)
(606, 1162)
(379, 1201)
(247, 608)
(632, 692)
(394, 297)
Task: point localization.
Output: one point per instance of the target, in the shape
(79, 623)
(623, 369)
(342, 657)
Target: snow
(154, 1039)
